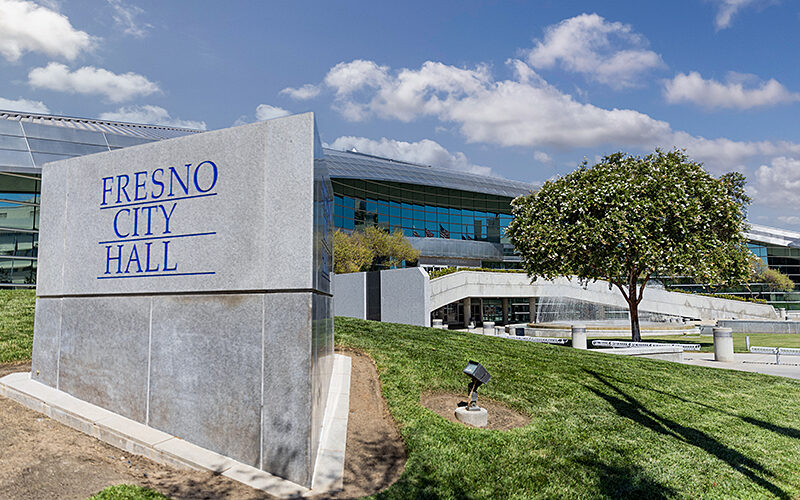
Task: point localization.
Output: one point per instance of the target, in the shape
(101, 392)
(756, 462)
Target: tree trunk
(636, 334)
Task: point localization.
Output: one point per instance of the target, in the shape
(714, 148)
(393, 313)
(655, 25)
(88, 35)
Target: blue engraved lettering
(118, 258)
(147, 267)
(166, 257)
(167, 217)
(106, 188)
(134, 256)
(213, 180)
(157, 182)
(121, 188)
(139, 186)
(135, 221)
(116, 228)
(149, 210)
(173, 174)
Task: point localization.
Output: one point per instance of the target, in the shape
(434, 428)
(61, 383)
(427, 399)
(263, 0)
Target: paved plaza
(748, 362)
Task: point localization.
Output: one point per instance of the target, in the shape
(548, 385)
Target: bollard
(578, 337)
(488, 327)
(782, 313)
(723, 345)
(437, 323)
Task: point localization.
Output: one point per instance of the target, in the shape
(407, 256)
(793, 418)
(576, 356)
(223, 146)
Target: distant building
(454, 218)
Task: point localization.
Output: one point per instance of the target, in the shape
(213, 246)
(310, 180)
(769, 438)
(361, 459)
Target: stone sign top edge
(265, 123)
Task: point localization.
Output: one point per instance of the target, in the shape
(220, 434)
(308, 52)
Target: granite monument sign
(185, 285)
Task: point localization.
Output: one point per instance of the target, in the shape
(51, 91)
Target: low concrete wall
(754, 326)
(406, 296)
(457, 286)
(350, 295)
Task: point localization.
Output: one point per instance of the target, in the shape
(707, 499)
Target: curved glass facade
(421, 211)
(19, 227)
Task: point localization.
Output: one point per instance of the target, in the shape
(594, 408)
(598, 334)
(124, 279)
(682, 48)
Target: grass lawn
(16, 324)
(739, 343)
(602, 426)
(128, 492)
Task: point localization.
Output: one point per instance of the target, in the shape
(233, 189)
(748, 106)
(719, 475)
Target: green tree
(630, 218)
(775, 280)
(371, 250)
(351, 253)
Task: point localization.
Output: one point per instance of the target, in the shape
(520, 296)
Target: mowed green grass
(739, 341)
(16, 324)
(128, 492)
(601, 426)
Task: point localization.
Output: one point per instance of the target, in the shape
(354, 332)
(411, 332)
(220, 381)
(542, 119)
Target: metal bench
(620, 343)
(542, 340)
(777, 351)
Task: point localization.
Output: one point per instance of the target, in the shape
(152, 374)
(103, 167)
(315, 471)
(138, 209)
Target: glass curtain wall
(19, 226)
(421, 211)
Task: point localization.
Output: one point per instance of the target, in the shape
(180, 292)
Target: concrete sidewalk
(748, 362)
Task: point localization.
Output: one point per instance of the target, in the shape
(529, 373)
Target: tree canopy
(370, 250)
(775, 280)
(630, 218)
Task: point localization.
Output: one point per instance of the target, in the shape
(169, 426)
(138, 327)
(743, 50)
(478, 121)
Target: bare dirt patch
(501, 417)
(41, 458)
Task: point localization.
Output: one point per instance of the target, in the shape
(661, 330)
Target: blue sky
(522, 90)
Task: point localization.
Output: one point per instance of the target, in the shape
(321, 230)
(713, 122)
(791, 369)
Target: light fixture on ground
(472, 414)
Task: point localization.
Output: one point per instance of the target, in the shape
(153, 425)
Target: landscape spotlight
(479, 377)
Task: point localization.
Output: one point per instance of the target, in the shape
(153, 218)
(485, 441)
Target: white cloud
(607, 52)
(125, 17)
(727, 9)
(694, 88)
(91, 80)
(542, 157)
(522, 111)
(526, 111)
(266, 112)
(779, 182)
(151, 115)
(425, 152)
(23, 105)
(307, 91)
(28, 27)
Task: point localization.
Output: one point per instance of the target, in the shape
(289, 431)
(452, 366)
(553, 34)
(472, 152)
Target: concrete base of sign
(475, 418)
(165, 448)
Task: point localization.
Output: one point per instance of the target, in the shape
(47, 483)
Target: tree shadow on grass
(424, 484)
(778, 429)
(628, 407)
(626, 481)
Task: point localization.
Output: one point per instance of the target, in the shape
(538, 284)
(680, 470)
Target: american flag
(428, 233)
(443, 233)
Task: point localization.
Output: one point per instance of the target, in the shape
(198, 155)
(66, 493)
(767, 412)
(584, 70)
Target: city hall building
(454, 218)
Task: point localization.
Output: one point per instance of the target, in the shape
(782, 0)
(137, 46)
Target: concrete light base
(723, 345)
(579, 337)
(475, 418)
(164, 448)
